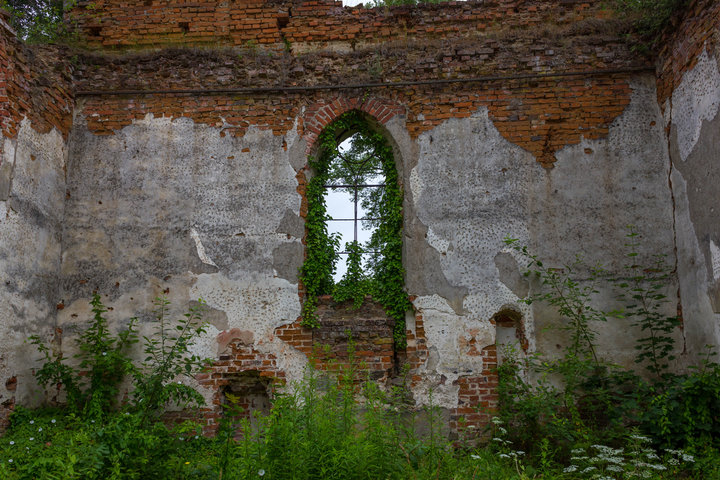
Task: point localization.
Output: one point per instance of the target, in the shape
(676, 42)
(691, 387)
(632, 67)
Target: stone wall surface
(35, 115)
(179, 169)
(689, 90)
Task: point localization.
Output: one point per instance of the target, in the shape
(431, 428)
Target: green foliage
(354, 285)
(168, 358)
(38, 21)
(682, 410)
(384, 278)
(591, 401)
(643, 291)
(92, 383)
(651, 16)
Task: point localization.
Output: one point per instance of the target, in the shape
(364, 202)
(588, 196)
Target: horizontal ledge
(280, 88)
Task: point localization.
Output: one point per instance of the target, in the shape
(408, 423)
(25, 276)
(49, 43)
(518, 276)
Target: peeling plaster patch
(256, 304)
(6, 168)
(440, 244)
(470, 194)
(715, 254)
(29, 251)
(586, 202)
(701, 323)
(415, 183)
(695, 100)
(200, 249)
(509, 273)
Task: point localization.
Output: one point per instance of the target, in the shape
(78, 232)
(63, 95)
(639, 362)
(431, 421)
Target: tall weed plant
(596, 401)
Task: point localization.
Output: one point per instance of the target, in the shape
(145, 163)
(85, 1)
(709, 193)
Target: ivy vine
(383, 278)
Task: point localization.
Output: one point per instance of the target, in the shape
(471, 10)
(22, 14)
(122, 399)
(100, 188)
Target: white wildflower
(261, 472)
(12, 442)
(577, 451)
(10, 460)
(39, 429)
(570, 469)
(614, 468)
(32, 438)
(687, 457)
(476, 457)
(32, 421)
(504, 455)
(640, 438)
(589, 469)
(52, 421)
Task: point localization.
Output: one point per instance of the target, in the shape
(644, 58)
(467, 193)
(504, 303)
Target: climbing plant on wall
(382, 278)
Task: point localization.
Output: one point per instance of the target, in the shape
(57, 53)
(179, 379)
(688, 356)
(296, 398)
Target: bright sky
(340, 205)
(350, 3)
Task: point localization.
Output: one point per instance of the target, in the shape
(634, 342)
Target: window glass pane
(341, 267)
(364, 235)
(345, 229)
(339, 203)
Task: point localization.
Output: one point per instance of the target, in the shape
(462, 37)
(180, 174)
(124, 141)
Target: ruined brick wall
(186, 172)
(694, 30)
(36, 106)
(36, 84)
(313, 24)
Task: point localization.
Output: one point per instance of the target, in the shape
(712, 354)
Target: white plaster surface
(470, 194)
(175, 201)
(695, 100)
(29, 252)
(715, 258)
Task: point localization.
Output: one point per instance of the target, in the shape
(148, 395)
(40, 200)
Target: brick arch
(321, 114)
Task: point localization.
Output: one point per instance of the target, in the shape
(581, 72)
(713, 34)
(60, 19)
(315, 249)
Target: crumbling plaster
(471, 194)
(694, 143)
(198, 213)
(32, 178)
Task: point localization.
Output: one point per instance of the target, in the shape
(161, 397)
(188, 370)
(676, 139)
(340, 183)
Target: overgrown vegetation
(346, 427)
(92, 381)
(652, 17)
(580, 400)
(382, 277)
(37, 21)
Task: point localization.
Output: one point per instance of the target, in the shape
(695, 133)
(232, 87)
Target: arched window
(354, 222)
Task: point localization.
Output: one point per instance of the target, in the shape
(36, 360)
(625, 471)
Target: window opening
(355, 165)
(356, 170)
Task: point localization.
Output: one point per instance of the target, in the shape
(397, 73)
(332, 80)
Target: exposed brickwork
(35, 82)
(477, 398)
(323, 113)
(365, 334)
(154, 23)
(542, 117)
(697, 28)
(238, 363)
